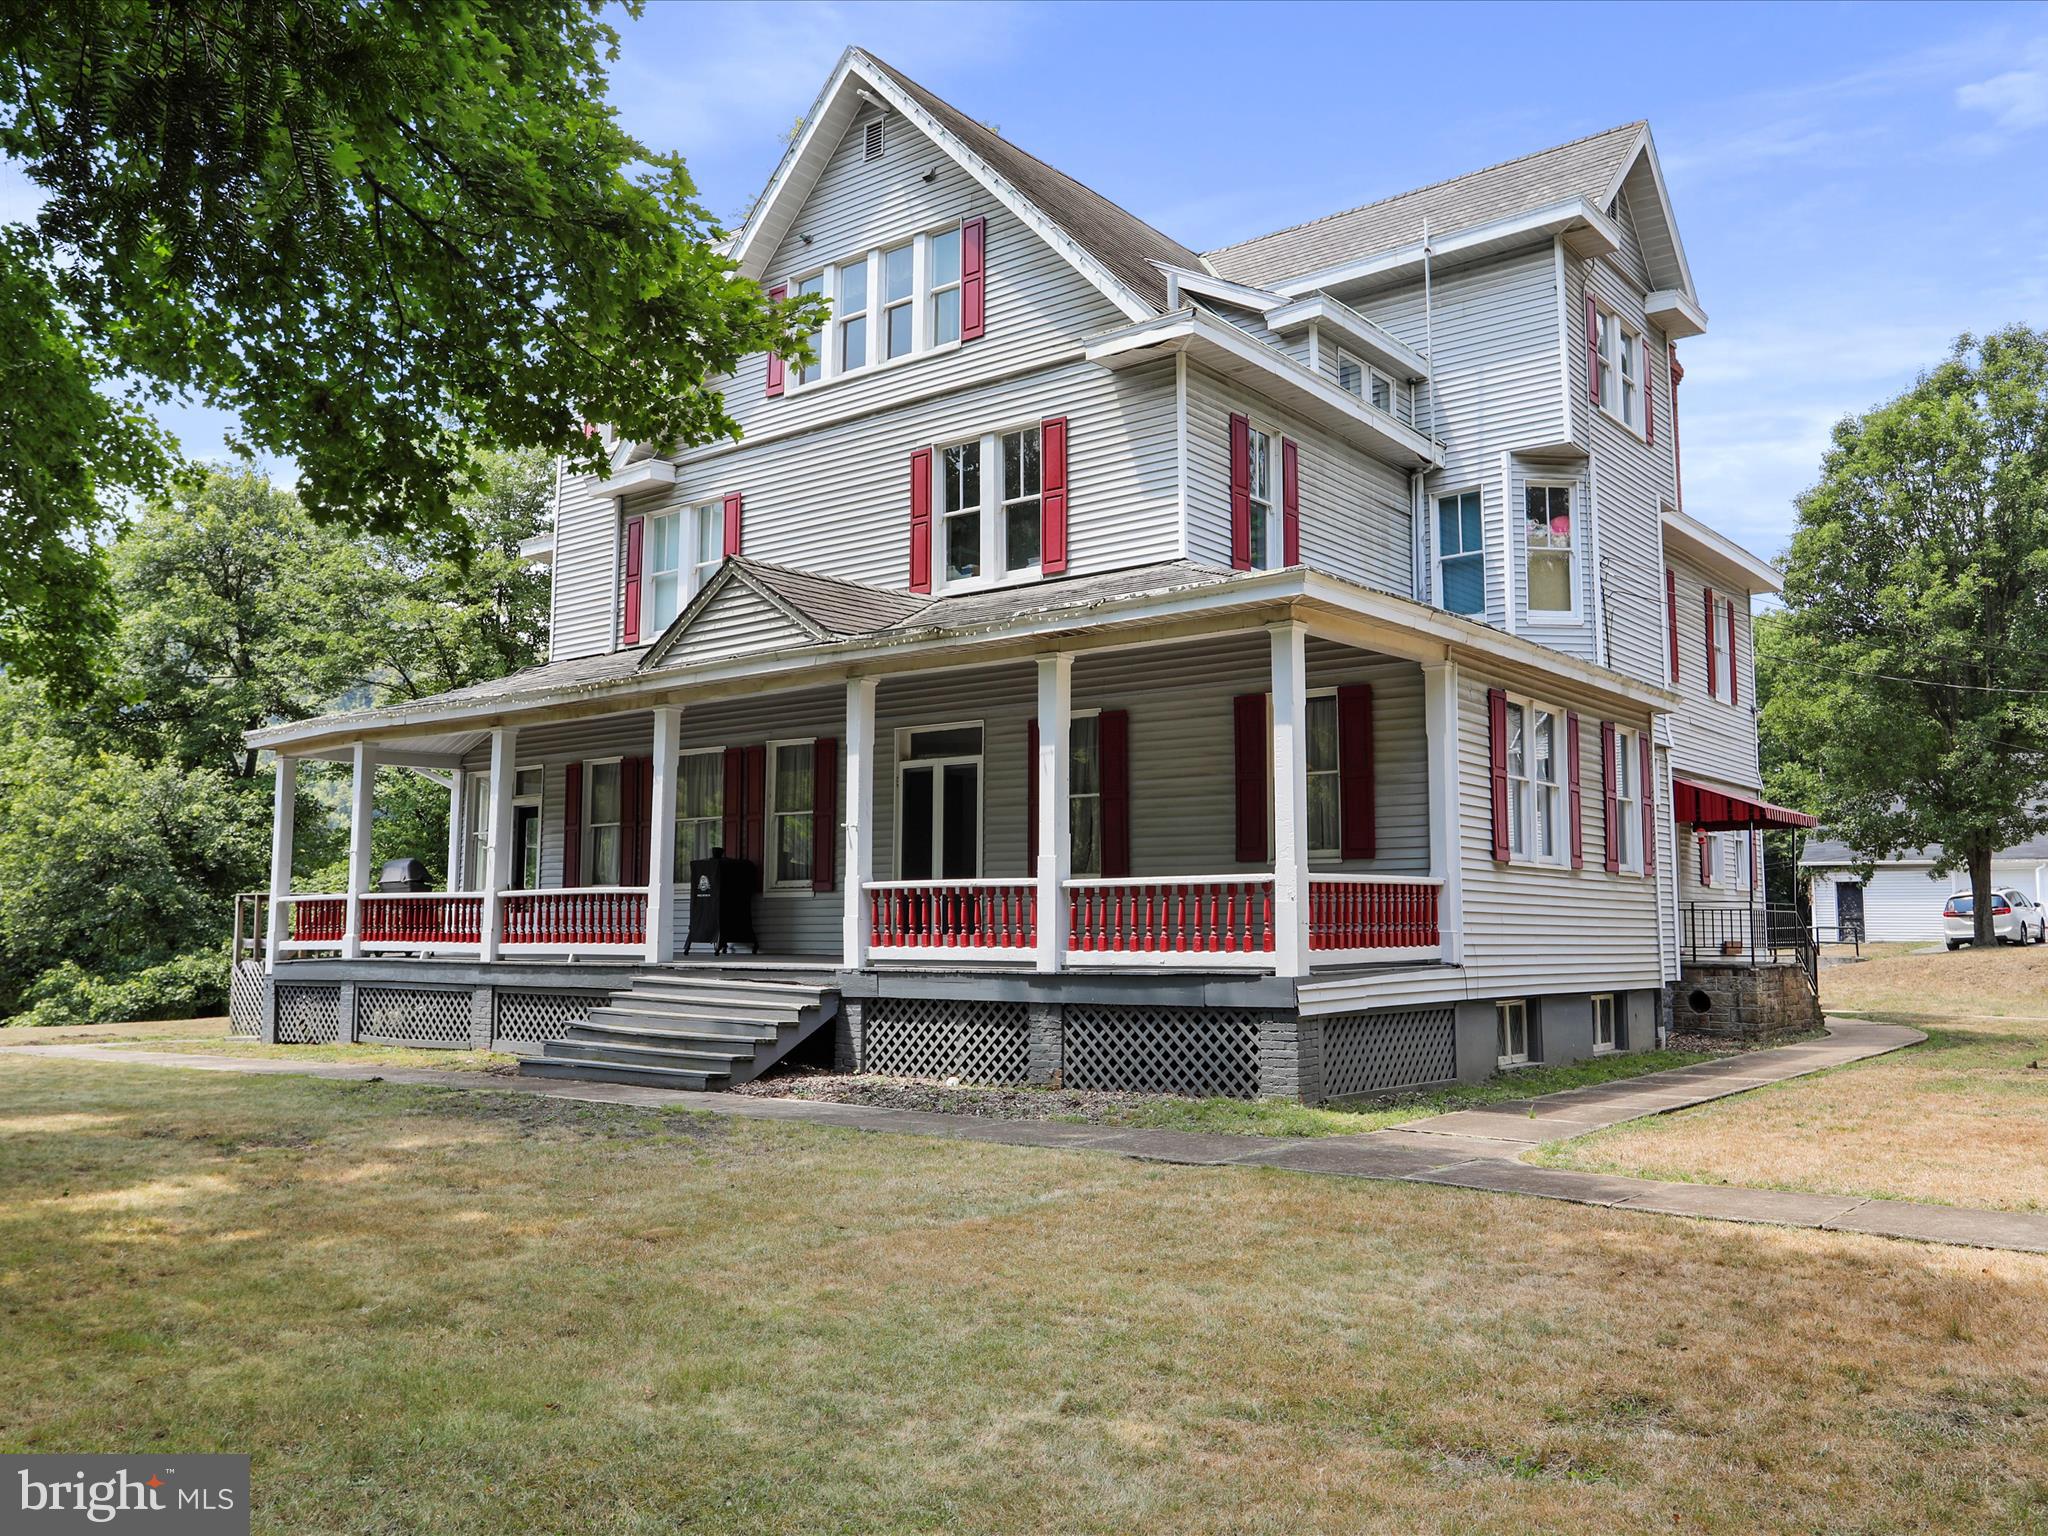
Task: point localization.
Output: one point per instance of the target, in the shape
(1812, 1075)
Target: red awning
(1716, 810)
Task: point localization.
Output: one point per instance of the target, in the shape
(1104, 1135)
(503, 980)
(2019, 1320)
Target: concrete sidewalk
(1476, 1149)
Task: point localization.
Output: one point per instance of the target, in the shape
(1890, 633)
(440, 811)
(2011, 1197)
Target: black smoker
(402, 875)
(722, 903)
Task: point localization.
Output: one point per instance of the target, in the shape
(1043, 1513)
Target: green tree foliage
(388, 238)
(1907, 681)
(127, 824)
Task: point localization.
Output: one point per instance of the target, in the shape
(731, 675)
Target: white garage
(1902, 899)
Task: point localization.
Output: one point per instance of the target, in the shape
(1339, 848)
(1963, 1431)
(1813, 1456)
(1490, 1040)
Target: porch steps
(675, 1030)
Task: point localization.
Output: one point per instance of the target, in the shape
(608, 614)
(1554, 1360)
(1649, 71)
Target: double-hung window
(700, 806)
(1723, 629)
(789, 812)
(943, 252)
(683, 549)
(602, 814)
(707, 543)
(1460, 554)
(479, 813)
(851, 308)
(1604, 1036)
(1608, 390)
(1511, 1022)
(1740, 848)
(814, 370)
(1259, 477)
(1325, 804)
(899, 308)
(1534, 747)
(1621, 360)
(1084, 794)
(1628, 821)
(1549, 550)
(990, 523)
(1630, 352)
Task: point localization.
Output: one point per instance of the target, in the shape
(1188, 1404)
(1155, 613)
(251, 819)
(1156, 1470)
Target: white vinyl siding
(1711, 739)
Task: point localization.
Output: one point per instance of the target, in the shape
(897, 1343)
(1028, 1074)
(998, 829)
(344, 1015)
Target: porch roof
(840, 628)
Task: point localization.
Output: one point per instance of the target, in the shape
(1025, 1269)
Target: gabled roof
(1114, 249)
(815, 608)
(1590, 169)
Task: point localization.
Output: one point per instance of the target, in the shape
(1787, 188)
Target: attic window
(871, 142)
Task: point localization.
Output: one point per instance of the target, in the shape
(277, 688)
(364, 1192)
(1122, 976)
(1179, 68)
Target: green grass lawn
(455, 1311)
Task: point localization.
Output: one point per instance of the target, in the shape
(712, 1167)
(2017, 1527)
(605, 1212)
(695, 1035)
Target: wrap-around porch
(1263, 799)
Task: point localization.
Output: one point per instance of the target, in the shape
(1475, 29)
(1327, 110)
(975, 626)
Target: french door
(938, 819)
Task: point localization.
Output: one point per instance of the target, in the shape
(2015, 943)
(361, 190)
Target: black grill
(402, 875)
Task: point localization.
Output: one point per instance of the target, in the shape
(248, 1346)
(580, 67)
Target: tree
(1908, 695)
(388, 238)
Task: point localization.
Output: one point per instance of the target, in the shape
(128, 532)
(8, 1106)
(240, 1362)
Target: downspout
(1419, 527)
(1677, 458)
(1429, 330)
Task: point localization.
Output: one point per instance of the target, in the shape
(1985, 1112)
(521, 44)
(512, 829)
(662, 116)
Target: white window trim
(1276, 535)
(1561, 855)
(1629, 810)
(1724, 659)
(1612, 329)
(589, 827)
(1613, 1024)
(1074, 794)
(682, 870)
(905, 762)
(1437, 545)
(992, 507)
(772, 814)
(1323, 855)
(1525, 1056)
(1546, 617)
(920, 301)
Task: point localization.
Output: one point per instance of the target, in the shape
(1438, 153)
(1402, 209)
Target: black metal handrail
(1750, 936)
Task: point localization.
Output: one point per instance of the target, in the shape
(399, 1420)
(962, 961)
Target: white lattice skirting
(528, 1018)
(408, 1016)
(245, 999)
(1163, 1050)
(1398, 1048)
(977, 1042)
(308, 1015)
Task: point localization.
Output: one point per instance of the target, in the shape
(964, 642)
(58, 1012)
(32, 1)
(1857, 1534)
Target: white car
(2015, 919)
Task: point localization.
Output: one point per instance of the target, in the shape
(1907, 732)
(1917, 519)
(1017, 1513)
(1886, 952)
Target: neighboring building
(1269, 670)
(1902, 898)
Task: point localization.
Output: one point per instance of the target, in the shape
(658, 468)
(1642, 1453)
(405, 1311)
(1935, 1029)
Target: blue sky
(1855, 184)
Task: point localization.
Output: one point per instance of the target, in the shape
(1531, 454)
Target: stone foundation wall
(1745, 1002)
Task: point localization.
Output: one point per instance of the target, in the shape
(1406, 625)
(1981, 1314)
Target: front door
(526, 847)
(938, 805)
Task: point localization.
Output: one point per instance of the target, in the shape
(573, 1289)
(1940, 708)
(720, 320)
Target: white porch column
(1290, 797)
(362, 793)
(456, 781)
(283, 808)
(1055, 841)
(1440, 726)
(661, 838)
(859, 863)
(498, 843)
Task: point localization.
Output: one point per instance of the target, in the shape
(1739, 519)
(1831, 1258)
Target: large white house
(1282, 669)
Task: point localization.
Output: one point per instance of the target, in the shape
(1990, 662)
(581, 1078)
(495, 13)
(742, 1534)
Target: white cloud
(2016, 100)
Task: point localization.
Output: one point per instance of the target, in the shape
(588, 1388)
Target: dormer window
(1365, 381)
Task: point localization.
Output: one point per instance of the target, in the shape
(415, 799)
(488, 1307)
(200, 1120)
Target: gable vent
(871, 145)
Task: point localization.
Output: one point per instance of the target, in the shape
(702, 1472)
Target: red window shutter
(776, 294)
(735, 802)
(1706, 866)
(1248, 720)
(1592, 350)
(1052, 487)
(1113, 738)
(1734, 670)
(1713, 668)
(824, 812)
(973, 278)
(1357, 815)
(629, 589)
(1671, 615)
(1644, 755)
(1031, 792)
(735, 507)
(1497, 759)
(1241, 494)
(921, 520)
(754, 826)
(1290, 500)
(1575, 799)
(572, 826)
(1610, 789)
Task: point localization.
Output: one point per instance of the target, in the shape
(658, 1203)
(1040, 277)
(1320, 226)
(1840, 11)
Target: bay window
(1549, 551)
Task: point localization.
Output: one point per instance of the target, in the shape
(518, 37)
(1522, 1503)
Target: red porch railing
(574, 919)
(1189, 914)
(952, 914)
(1363, 912)
(318, 919)
(402, 920)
